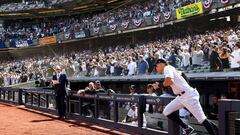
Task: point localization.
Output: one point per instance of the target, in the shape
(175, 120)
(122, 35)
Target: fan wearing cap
(59, 82)
(104, 105)
(98, 87)
(187, 97)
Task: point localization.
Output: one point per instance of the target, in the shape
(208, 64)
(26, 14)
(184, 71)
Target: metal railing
(39, 99)
(43, 100)
(139, 100)
(225, 106)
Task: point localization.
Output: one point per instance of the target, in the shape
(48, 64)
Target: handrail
(224, 106)
(35, 103)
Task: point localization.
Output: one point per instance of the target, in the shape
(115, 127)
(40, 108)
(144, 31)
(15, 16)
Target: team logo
(207, 4)
(167, 15)
(113, 27)
(67, 35)
(224, 1)
(125, 24)
(137, 22)
(96, 30)
(156, 19)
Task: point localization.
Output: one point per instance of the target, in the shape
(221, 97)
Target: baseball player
(186, 97)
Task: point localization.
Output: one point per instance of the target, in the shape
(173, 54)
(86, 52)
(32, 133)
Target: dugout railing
(44, 100)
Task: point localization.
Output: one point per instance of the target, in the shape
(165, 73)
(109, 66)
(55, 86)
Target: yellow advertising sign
(47, 40)
(189, 10)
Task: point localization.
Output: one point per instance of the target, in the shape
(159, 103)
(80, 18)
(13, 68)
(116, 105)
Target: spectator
(206, 52)
(150, 60)
(132, 66)
(118, 69)
(132, 90)
(98, 87)
(185, 58)
(215, 61)
(104, 105)
(150, 90)
(142, 66)
(173, 58)
(101, 68)
(132, 115)
(125, 70)
(197, 56)
(235, 58)
(232, 38)
(224, 56)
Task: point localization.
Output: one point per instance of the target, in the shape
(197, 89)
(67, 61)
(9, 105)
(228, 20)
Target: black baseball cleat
(188, 131)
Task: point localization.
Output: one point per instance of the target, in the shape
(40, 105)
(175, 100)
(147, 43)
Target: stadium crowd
(210, 51)
(30, 4)
(38, 28)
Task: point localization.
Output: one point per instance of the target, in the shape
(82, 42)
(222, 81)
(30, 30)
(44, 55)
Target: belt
(181, 93)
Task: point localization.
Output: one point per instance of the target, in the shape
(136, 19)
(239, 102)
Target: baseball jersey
(179, 83)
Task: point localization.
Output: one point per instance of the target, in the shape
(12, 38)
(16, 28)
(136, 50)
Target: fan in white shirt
(235, 59)
(132, 66)
(185, 58)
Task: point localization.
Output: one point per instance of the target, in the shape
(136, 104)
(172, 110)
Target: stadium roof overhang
(69, 8)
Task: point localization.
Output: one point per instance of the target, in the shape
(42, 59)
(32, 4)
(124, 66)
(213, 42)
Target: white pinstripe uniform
(189, 97)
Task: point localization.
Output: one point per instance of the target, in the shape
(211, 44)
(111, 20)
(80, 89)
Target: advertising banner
(189, 10)
(80, 34)
(21, 43)
(48, 40)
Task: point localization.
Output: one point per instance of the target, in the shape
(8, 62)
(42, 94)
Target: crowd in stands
(30, 4)
(210, 51)
(23, 30)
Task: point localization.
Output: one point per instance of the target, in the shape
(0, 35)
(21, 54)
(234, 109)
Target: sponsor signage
(189, 10)
(80, 34)
(48, 40)
(21, 43)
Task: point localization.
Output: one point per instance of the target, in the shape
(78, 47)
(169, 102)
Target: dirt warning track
(15, 121)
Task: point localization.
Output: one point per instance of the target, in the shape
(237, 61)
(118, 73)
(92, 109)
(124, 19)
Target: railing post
(26, 97)
(31, 99)
(8, 96)
(20, 102)
(39, 99)
(68, 104)
(141, 109)
(173, 127)
(96, 102)
(80, 106)
(13, 96)
(223, 107)
(47, 100)
(4, 94)
(0, 93)
(115, 110)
